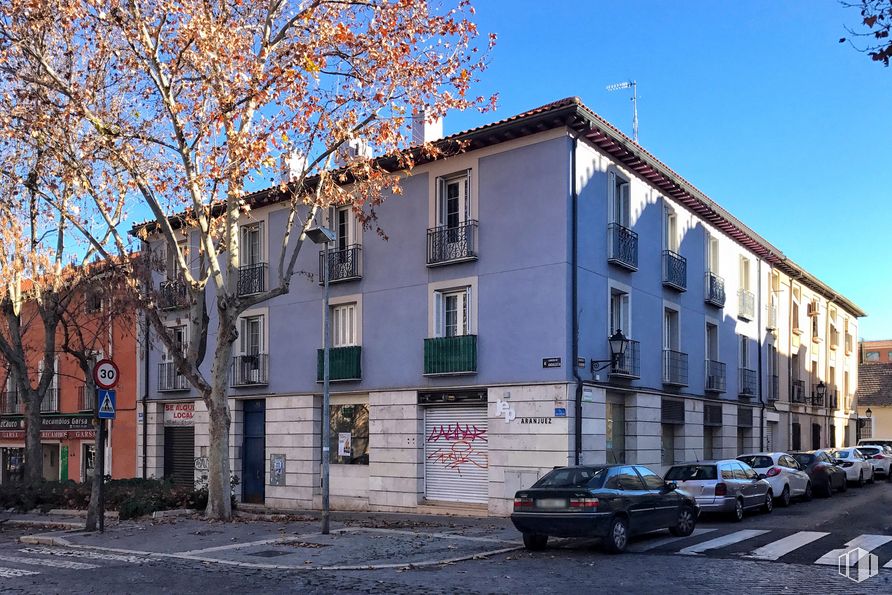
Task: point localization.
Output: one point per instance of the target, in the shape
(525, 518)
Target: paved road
(790, 550)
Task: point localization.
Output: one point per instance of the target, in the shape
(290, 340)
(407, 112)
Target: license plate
(551, 503)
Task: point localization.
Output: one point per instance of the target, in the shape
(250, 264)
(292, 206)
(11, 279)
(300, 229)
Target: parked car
(785, 475)
(875, 441)
(879, 458)
(726, 486)
(825, 475)
(855, 464)
(612, 502)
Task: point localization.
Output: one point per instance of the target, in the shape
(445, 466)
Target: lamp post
(618, 344)
(820, 392)
(324, 236)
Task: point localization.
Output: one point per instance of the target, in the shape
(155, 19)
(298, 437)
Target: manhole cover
(269, 553)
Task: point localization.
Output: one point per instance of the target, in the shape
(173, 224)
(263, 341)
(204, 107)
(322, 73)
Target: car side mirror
(761, 476)
(670, 486)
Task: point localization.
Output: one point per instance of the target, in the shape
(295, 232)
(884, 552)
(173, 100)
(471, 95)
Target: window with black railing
(170, 378)
(746, 304)
(252, 369)
(714, 287)
(817, 400)
(797, 394)
(172, 294)
(675, 367)
(716, 376)
(628, 364)
(748, 381)
(675, 270)
(446, 244)
(622, 246)
(11, 404)
(343, 265)
(50, 402)
(86, 400)
(252, 278)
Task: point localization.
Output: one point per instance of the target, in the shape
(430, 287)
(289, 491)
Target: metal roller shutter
(179, 456)
(456, 454)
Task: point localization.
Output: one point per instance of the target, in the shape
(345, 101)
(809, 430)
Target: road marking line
(722, 541)
(782, 547)
(866, 542)
(51, 563)
(82, 554)
(650, 545)
(14, 572)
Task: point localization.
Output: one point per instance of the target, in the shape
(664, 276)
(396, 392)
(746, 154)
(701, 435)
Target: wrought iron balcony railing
(622, 246)
(797, 391)
(170, 379)
(50, 402)
(675, 368)
(675, 270)
(816, 399)
(450, 355)
(86, 401)
(714, 290)
(748, 382)
(771, 317)
(172, 294)
(716, 376)
(343, 265)
(252, 278)
(10, 404)
(746, 304)
(773, 388)
(452, 244)
(250, 370)
(344, 363)
(628, 365)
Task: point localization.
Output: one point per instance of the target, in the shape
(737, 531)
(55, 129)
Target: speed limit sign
(105, 374)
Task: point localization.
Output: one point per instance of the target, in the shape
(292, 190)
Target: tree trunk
(98, 462)
(33, 448)
(219, 500)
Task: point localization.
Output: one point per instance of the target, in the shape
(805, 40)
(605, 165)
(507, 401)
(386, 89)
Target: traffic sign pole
(105, 376)
(100, 455)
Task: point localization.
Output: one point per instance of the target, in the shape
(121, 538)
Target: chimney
(425, 129)
(355, 147)
(293, 164)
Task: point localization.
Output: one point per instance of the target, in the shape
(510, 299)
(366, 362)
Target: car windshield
(691, 473)
(841, 454)
(573, 477)
(867, 450)
(756, 461)
(804, 459)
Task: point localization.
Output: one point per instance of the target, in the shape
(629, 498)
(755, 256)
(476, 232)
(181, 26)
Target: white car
(857, 467)
(878, 457)
(785, 475)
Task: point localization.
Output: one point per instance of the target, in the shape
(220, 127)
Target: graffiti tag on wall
(458, 447)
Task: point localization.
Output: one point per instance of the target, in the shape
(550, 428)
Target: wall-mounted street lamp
(868, 413)
(618, 344)
(821, 392)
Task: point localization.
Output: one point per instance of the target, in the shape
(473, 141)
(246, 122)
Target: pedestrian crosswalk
(27, 561)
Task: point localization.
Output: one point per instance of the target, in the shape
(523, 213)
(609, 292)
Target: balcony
(343, 265)
(675, 270)
(622, 246)
(816, 399)
(716, 377)
(714, 290)
(170, 379)
(450, 355)
(447, 245)
(773, 388)
(50, 402)
(344, 363)
(250, 370)
(675, 368)
(746, 304)
(252, 278)
(798, 391)
(748, 381)
(172, 294)
(834, 339)
(771, 317)
(10, 404)
(86, 401)
(628, 365)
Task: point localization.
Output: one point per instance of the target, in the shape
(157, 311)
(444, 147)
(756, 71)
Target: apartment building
(552, 295)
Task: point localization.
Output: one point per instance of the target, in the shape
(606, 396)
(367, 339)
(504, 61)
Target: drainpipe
(761, 378)
(574, 299)
(145, 390)
(790, 369)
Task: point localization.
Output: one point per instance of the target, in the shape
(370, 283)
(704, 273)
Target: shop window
(349, 435)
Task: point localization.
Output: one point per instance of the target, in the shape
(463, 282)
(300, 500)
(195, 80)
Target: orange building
(68, 430)
(876, 352)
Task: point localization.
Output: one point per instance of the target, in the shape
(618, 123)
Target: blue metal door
(253, 452)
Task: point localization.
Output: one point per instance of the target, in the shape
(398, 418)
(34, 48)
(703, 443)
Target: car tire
(737, 514)
(807, 496)
(617, 537)
(769, 502)
(845, 485)
(889, 475)
(687, 520)
(873, 474)
(784, 499)
(535, 543)
(861, 479)
(828, 491)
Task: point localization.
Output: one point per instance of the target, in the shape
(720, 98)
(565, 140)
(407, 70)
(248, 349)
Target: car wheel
(828, 491)
(889, 475)
(737, 514)
(785, 496)
(872, 476)
(769, 502)
(807, 495)
(845, 484)
(535, 543)
(617, 536)
(861, 479)
(685, 524)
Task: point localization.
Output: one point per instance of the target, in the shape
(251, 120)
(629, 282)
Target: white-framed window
(620, 312)
(712, 341)
(670, 229)
(251, 248)
(671, 329)
(343, 325)
(252, 335)
(712, 254)
(171, 265)
(454, 200)
(745, 273)
(344, 226)
(619, 199)
(452, 312)
(794, 313)
(179, 336)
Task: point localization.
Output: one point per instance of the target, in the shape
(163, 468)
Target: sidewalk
(357, 540)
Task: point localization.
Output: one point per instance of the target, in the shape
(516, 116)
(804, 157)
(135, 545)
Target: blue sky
(756, 103)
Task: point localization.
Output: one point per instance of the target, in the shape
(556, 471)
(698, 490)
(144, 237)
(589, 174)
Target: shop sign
(179, 414)
(54, 422)
(535, 420)
(50, 435)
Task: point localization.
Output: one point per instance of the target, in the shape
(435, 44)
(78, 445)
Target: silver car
(728, 486)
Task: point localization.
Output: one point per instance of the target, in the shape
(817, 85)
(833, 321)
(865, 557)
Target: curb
(44, 524)
(44, 540)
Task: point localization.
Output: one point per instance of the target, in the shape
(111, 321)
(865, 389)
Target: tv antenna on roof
(634, 86)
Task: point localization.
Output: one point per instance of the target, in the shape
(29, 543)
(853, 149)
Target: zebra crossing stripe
(83, 554)
(15, 572)
(865, 542)
(653, 544)
(51, 563)
(782, 547)
(722, 541)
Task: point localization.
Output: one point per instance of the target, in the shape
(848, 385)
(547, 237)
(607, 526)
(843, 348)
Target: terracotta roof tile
(874, 384)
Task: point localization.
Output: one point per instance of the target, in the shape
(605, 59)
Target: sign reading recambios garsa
(179, 414)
